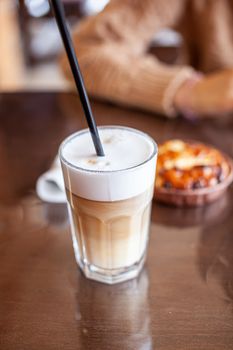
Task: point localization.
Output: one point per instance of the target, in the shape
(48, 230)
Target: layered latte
(109, 200)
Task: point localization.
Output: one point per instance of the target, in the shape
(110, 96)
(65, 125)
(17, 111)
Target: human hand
(211, 95)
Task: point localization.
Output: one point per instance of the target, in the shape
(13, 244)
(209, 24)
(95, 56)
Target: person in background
(112, 49)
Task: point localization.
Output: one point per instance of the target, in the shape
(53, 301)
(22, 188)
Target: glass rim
(83, 131)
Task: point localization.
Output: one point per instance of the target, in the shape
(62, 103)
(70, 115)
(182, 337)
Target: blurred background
(30, 42)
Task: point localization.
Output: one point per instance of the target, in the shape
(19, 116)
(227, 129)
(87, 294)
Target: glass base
(109, 276)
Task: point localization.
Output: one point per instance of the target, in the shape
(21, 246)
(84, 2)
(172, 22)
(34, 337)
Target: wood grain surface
(183, 298)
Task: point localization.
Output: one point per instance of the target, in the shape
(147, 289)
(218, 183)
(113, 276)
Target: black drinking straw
(67, 41)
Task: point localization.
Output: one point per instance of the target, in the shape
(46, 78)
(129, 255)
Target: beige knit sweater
(112, 48)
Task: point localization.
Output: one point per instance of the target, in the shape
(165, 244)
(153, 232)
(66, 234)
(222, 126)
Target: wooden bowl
(195, 197)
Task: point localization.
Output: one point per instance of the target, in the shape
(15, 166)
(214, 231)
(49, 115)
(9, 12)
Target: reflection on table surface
(125, 310)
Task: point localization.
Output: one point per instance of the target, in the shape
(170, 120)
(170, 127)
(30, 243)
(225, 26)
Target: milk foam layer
(127, 169)
(123, 149)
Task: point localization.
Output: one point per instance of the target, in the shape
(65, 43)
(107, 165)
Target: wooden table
(183, 298)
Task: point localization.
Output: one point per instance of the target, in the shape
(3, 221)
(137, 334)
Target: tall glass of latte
(109, 200)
